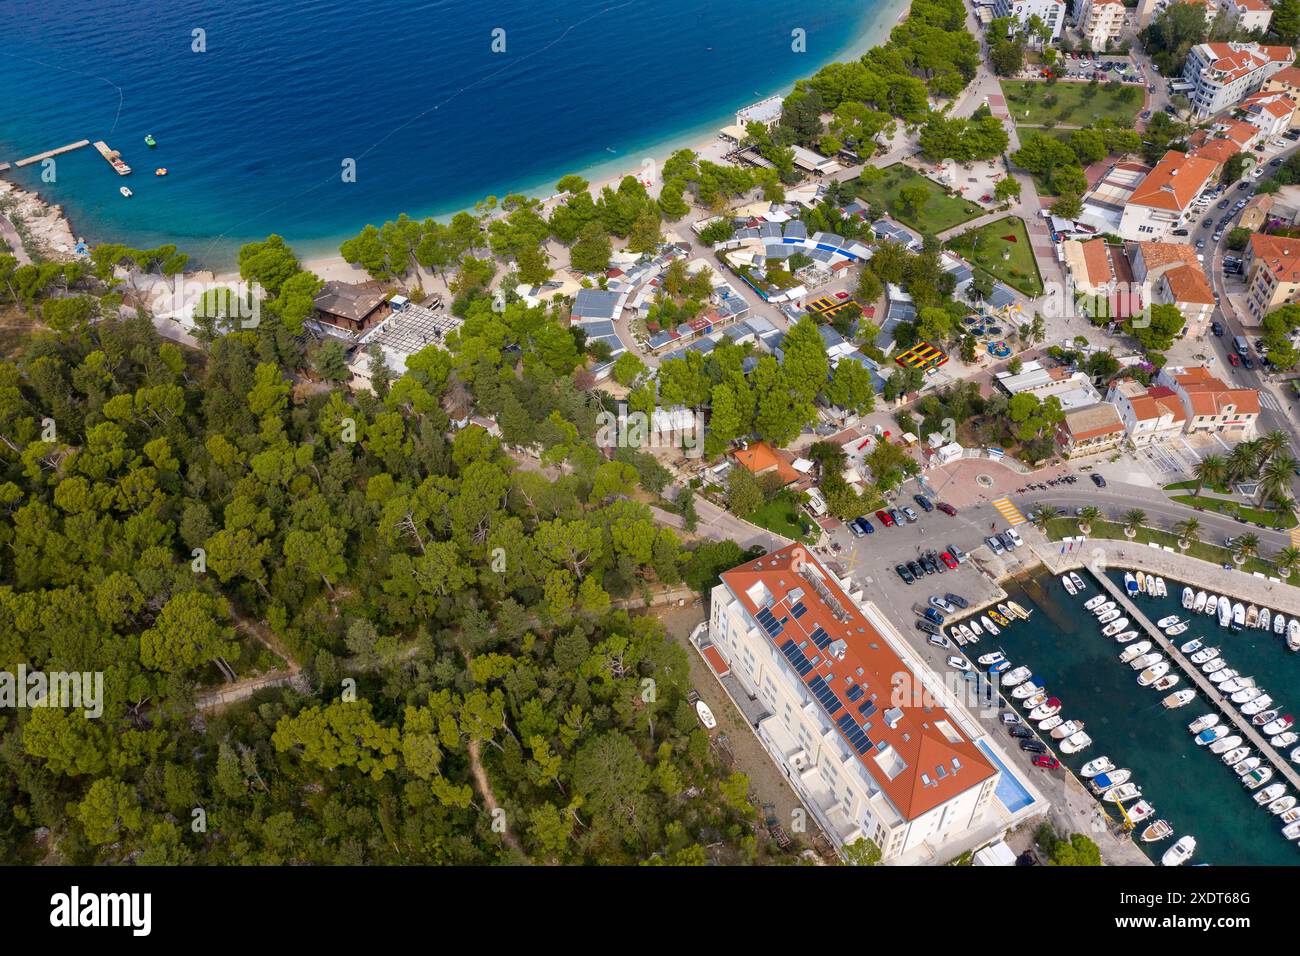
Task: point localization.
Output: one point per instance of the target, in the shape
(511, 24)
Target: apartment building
(1223, 74)
(1272, 267)
(1051, 12)
(1149, 414)
(1286, 80)
(1210, 404)
(1091, 430)
(1250, 15)
(875, 744)
(1270, 112)
(1174, 276)
(1164, 197)
(1101, 22)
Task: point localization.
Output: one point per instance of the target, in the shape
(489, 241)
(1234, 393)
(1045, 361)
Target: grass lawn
(1269, 519)
(782, 516)
(941, 211)
(987, 246)
(1191, 486)
(1037, 103)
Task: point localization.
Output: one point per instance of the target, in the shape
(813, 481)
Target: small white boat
(989, 626)
(967, 634)
(1238, 616)
(1279, 625)
(1205, 654)
(1110, 778)
(1064, 730)
(1139, 811)
(1161, 589)
(975, 627)
(1125, 637)
(1146, 660)
(1026, 690)
(1225, 612)
(1269, 794)
(1189, 598)
(1179, 698)
(1050, 723)
(1247, 695)
(1291, 830)
(1257, 778)
(1263, 702)
(1265, 619)
(1017, 610)
(1107, 616)
(1234, 684)
(1220, 677)
(1066, 583)
(1224, 744)
(1114, 627)
(1278, 725)
(1291, 816)
(1131, 583)
(1212, 605)
(1284, 740)
(1141, 582)
(1293, 634)
(706, 716)
(1177, 629)
(1259, 720)
(1160, 830)
(125, 192)
(1134, 651)
(1014, 677)
(1094, 602)
(1035, 700)
(1076, 743)
(1045, 710)
(1198, 605)
(1281, 805)
(1168, 621)
(1217, 664)
(1242, 763)
(996, 657)
(1202, 723)
(1097, 765)
(1180, 852)
(1192, 646)
(1152, 589)
(1153, 674)
(1166, 682)
(1252, 616)
(1101, 609)
(1211, 735)
(1079, 584)
(1124, 793)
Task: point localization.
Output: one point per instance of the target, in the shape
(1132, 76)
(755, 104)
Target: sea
(1186, 784)
(312, 119)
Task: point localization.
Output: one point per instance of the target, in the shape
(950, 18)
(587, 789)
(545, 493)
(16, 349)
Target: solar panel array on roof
(855, 692)
(769, 622)
(857, 737)
(867, 709)
(798, 660)
(821, 638)
(829, 700)
(798, 611)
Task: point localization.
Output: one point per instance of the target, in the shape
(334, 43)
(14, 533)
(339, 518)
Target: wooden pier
(113, 158)
(1282, 766)
(49, 153)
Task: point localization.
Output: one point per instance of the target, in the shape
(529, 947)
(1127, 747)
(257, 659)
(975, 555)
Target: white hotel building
(875, 743)
(1051, 12)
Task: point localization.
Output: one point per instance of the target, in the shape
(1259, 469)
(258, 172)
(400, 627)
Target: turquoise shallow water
(255, 129)
(1186, 784)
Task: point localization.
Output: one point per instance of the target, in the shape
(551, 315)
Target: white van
(816, 502)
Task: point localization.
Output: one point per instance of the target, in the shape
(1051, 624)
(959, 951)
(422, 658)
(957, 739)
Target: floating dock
(113, 158)
(48, 154)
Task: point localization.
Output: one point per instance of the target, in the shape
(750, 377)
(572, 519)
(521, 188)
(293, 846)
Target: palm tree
(1275, 479)
(1247, 546)
(1210, 470)
(1189, 532)
(1288, 559)
(1133, 519)
(1087, 516)
(1045, 514)
(1272, 443)
(1241, 461)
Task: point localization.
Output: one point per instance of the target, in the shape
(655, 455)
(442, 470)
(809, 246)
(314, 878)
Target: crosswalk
(1009, 511)
(1268, 401)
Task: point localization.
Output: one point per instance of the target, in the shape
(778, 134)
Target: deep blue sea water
(254, 130)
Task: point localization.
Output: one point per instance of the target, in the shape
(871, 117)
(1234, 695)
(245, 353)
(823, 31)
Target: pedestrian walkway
(1009, 511)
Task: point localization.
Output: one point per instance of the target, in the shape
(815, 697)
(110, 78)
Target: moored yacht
(1111, 778)
(1265, 619)
(1238, 616)
(1114, 627)
(1161, 589)
(1198, 606)
(1279, 625)
(1210, 734)
(990, 626)
(1153, 673)
(1270, 793)
(1203, 722)
(1180, 852)
(1096, 766)
(1094, 602)
(1160, 830)
(1252, 616)
(1123, 793)
(1076, 742)
(1168, 621)
(1257, 778)
(1219, 677)
(1262, 702)
(1130, 583)
(1077, 581)
(1281, 805)
(1125, 636)
(1017, 676)
(1224, 744)
(1066, 583)
(1179, 698)
(1165, 683)
(1192, 646)
(1225, 612)
(1284, 740)
(996, 657)
(1189, 598)
(1139, 811)
(1205, 654)
(1293, 634)
(1066, 729)
(1134, 651)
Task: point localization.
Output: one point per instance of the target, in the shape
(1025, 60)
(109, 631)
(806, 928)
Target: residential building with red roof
(1100, 22)
(876, 744)
(1223, 74)
(1164, 198)
(1091, 430)
(1217, 149)
(1175, 277)
(1149, 414)
(1270, 112)
(1249, 15)
(1286, 80)
(1272, 268)
(1210, 403)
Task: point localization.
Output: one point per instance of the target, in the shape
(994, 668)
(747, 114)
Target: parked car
(949, 560)
(938, 640)
(1098, 480)
(855, 530)
(885, 518)
(863, 525)
(957, 553)
(958, 663)
(924, 502)
(942, 604)
(1234, 359)
(1022, 732)
(994, 544)
(1033, 747)
(956, 599)
(1248, 362)
(928, 628)
(1223, 204)
(1010, 717)
(946, 508)
(1014, 535)
(911, 515)
(926, 565)
(915, 568)
(1007, 543)
(905, 574)
(1217, 329)
(932, 615)
(1047, 762)
(933, 557)
(897, 516)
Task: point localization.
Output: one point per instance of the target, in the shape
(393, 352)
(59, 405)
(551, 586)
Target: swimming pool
(1010, 791)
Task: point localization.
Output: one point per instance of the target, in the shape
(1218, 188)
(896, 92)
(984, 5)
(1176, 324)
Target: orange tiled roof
(1182, 270)
(1239, 131)
(1256, 5)
(1156, 403)
(1210, 396)
(1288, 76)
(1096, 261)
(1278, 254)
(1093, 421)
(1188, 284)
(761, 457)
(930, 768)
(1174, 181)
(1217, 150)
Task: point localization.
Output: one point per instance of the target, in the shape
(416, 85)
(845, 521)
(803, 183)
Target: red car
(1047, 762)
(885, 518)
(949, 560)
(841, 295)
(1234, 359)
(945, 508)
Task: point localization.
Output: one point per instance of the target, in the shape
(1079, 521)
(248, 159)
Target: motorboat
(1247, 695)
(1177, 629)
(125, 191)
(1125, 637)
(1160, 830)
(1139, 811)
(1290, 816)
(1291, 830)
(1279, 725)
(1210, 735)
(1097, 766)
(1151, 589)
(1066, 729)
(149, 140)
(1101, 609)
(1051, 723)
(1075, 743)
(1293, 634)
(1179, 698)
(1227, 674)
(1077, 581)
(1114, 627)
(1263, 702)
(1243, 762)
(997, 619)
(1027, 690)
(1130, 583)
(1232, 685)
(1212, 605)
(1094, 602)
(1169, 621)
(1124, 793)
(1279, 624)
(1161, 589)
(1225, 613)
(994, 658)
(1049, 708)
(1198, 606)
(1107, 616)
(1165, 683)
(1217, 664)
(1134, 651)
(1180, 852)
(1265, 619)
(1006, 613)
(1146, 660)
(1066, 583)
(1260, 719)
(1281, 805)
(1035, 700)
(1284, 740)
(1192, 646)
(1189, 598)
(1257, 778)
(1224, 744)
(967, 634)
(1017, 610)
(1238, 616)
(990, 626)
(1112, 778)
(705, 715)
(975, 627)
(1205, 654)
(1252, 616)
(999, 667)
(1295, 755)
(1017, 676)
(1153, 674)
(1203, 723)
(1141, 582)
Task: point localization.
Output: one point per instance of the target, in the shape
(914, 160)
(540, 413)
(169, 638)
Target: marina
(1187, 785)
